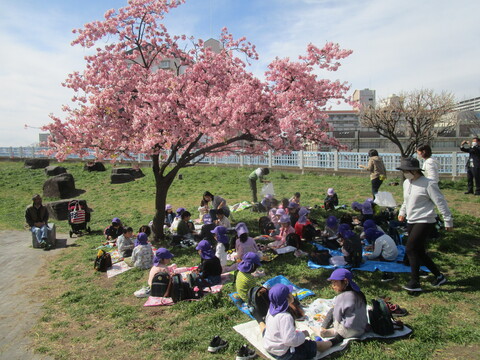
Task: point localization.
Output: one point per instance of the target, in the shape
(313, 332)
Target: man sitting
(36, 217)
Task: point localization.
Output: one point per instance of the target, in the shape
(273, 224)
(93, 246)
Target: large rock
(136, 173)
(60, 186)
(121, 178)
(55, 170)
(91, 166)
(36, 163)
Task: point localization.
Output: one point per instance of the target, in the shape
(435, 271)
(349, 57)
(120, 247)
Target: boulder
(58, 210)
(136, 173)
(36, 163)
(94, 166)
(60, 186)
(121, 178)
(55, 170)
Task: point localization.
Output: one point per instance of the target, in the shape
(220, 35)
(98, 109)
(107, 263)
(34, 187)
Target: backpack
(265, 225)
(180, 290)
(160, 284)
(103, 261)
(380, 317)
(259, 302)
(321, 257)
(293, 240)
(308, 232)
(195, 282)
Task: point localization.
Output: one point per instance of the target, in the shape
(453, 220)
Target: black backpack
(258, 302)
(160, 284)
(103, 261)
(265, 225)
(381, 319)
(309, 233)
(180, 290)
(293, 240)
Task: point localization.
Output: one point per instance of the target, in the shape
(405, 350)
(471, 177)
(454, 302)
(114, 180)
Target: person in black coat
(473, 164)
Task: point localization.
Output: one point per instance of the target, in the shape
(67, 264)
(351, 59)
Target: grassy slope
(87, 316)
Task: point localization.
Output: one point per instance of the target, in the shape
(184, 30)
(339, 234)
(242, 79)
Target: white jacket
(420, 197)
(430, 169)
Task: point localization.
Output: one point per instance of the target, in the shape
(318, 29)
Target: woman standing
(430, 166)
(377, 170)
(420, 196)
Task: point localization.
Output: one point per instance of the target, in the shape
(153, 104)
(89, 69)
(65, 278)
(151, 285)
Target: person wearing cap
(267, 202)
(351, 245)
(176, 221)
(285, 229)
(160, 263)
(384, 249)
(281, 339)
(245, 280)
(210, 268)
(257, 174)
(420, 196)
(142, 255)
(125, 243)
(331, 226)
(349, 313)
(169, 215)
(184, 229)
(378, 173)
(220, 235)
(244, 243)
(331, 200)
(207, 227)
(36, 216)
(115, 230)
(367, 210)
(302, 221)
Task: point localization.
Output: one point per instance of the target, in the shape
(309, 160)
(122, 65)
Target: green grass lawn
(87, 316)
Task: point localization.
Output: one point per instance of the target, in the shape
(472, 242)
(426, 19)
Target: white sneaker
(143, 292)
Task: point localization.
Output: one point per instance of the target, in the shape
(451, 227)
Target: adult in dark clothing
(210, 269)
(36, 217)
(473, 164)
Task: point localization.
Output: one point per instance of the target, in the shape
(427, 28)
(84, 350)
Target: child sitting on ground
(351, 245)
(284, 205)
(222, 220)
(331, 226)
(142, 256)
(160, 264)
(178, 218)
(244, 243)
(220, 234)
(169, 215)
(384, 249)
(285, 229)
(267, 202)
(210, 269)
(349, 313)
(295, 198)
(113, 231)
(302, 221)
(281, 339)
(245, 280)
(207, 227)
(203, 209)
(184, 230)
(293, 213)
(331, 200)
(125, 243)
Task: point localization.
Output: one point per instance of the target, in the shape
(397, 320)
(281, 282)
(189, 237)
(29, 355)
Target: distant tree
(411, 119)
(208, 105)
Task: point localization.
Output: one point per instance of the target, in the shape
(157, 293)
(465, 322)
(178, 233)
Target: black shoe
(412, 286)
(468, 192)
(439, 280)
(47, 247)
(424, 274)
(244, 353)
(387, 276)
(217, 344)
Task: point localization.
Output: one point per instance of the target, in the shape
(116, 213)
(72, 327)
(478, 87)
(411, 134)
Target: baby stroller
(78, 217)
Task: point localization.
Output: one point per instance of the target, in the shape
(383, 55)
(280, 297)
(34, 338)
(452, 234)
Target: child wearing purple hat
(331, 226)
(244, 243)
(113, 231)
(210, 268)
(349, 313)
(281, 339)
(169, 215)
(302, 221)
(245, 280)
(285, 229)
(351, 245)
(220, 234)
(142, 255)
(331, 200)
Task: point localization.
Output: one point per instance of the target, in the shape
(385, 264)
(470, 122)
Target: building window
(165, 64)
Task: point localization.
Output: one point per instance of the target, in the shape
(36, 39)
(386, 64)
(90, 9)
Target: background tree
(411, 119)
(209, 104)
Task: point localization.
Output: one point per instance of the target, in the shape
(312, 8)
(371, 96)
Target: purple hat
(206, 250)
(345, 231)
(332, 221)
(221, 232)
(278, 296)
(373, 234)
(161, 254)
(269, 196)
(180, 211)
(241, 228)
(207, 219)
(293, 205)
(367, 208)
(116, 220)
(356, 206)
(302, 218)
(367, 224)
(330, 191)
(342, 274)
(284, 219)
(168, 207)
(280, 212)
(142, 239)
(248, 260)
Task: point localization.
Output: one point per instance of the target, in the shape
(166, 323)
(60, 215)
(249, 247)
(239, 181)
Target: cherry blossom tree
(207, 104)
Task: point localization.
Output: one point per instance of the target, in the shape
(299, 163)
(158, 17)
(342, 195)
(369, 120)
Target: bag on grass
(258, 302)
(265, 225)
(103, 261)
(293, 240)
(160, 284)
(308, 232)
(381, 319)
(321, 257)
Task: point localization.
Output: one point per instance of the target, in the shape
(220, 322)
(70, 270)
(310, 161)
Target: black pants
(376, 185)
(253, 187)
(415, 249)
(473, 173)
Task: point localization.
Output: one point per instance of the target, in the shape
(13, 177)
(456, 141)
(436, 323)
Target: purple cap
(356, 205)
(207, 219)
(168, 207)
(206, 249)
(330, 191)
(367, 224)
(332, 221)
(293, 205)
(116, 220)
(221, 232)
(303, 211)
(142, 239)
(269, 196)
(179, 211)
(278, 296)
(342, 274)
(373, 234)
(284, 219)
(241, 228)
(280, 212)
(248, 260)
(161, 254)
(367, 208)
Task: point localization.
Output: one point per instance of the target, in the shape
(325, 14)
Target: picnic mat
(297, 291)
(117, 268)
(251, 331)
(369, 265)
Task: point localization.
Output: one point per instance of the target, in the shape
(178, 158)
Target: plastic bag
(267, 189)
(385, 198)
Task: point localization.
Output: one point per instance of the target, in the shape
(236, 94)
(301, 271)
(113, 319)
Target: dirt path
(19, 309)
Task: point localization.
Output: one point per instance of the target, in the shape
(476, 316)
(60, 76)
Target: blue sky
(398, 45)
